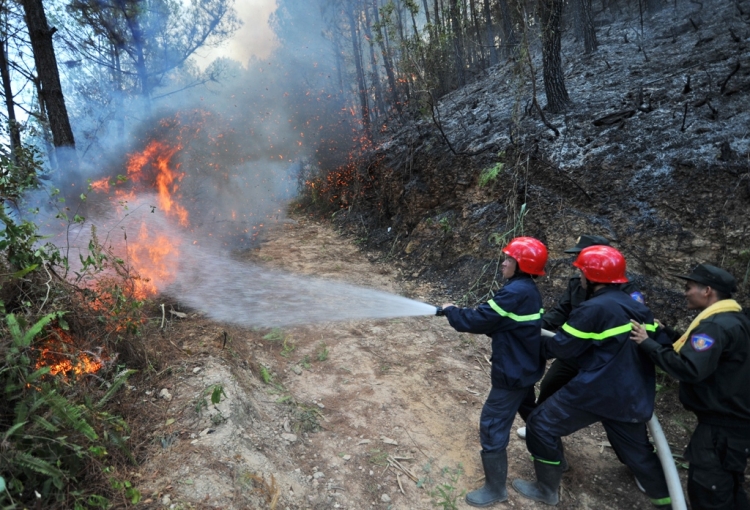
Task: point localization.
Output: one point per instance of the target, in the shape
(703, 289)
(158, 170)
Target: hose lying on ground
(664, 454)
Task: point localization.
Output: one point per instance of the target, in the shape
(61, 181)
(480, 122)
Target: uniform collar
(606, 289)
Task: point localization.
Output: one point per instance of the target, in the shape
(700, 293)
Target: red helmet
(601, 264)
(529, 253)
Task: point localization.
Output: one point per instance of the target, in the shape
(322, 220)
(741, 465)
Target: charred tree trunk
(478, 35)
(554, 82)
(490, 31)
(51, 95)
(511, 41)
(458, 43)
(373, 62)
(584, 22)
(386, 58)
(13, 131)
(364, 109)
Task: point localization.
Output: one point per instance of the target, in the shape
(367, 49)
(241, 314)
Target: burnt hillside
(653, 153)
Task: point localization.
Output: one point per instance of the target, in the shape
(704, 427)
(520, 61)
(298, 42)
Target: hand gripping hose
(664, 454)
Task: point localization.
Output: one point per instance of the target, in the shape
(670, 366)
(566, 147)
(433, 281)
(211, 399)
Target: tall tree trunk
(457, 37)
(483, 52)
(114, 56)
(49, 145)
(490, 30)
(10, 105)
(511, 41)
(433, 28)
(554, 82)
(584, 22)
(139, 46)
(363, 103)
(51, 95)
(386, 58)
(373, 62)
(438, 26)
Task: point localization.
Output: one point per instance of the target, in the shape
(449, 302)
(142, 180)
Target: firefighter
(561, 371)
(712, 362)
(615, 384)
(513, 319)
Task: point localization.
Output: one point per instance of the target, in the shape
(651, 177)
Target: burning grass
(71, 352)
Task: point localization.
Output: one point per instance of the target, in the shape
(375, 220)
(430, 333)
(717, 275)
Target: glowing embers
(59, 352)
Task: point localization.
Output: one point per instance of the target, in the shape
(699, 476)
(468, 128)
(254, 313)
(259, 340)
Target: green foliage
(265, 375)
(57, 430)
(19, 241)
(215, 391)
(446, 495)
(445, 225)
(288, 346)
(276, 335)
(489, 175)
(18, 171)
(50, 439)
(322, 352)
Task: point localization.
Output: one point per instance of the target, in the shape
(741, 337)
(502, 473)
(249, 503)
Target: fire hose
(665, 457)
(662, 450)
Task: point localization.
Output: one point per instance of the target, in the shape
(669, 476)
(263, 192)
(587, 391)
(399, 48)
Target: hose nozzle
(439, 311)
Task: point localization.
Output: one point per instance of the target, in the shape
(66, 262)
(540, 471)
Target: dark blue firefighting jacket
(616, 379)
(513, 319)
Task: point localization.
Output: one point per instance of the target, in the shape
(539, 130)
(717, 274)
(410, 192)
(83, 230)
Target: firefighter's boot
(545, 488)
(495, 472)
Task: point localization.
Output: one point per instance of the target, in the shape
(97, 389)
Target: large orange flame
(159, 156)
(151, 255)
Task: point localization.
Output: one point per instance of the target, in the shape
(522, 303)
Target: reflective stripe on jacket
(616, 379)
(513, 319)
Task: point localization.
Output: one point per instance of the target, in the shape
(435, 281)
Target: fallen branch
(724, 83)
(439, 125)
(613, 118)
(684, 116)
(396, 464)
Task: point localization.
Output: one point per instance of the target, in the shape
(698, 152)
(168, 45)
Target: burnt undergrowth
(74, 345)
(639, 158)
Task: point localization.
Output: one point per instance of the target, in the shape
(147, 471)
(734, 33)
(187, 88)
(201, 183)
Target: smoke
(242, 136)
(173, 182)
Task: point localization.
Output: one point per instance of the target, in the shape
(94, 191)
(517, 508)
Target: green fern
(120, 379)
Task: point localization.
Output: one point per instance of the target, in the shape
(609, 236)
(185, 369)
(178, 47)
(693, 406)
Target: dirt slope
(341, 399)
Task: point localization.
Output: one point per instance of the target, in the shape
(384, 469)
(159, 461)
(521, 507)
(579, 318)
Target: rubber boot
(495, 472)
(545, 488)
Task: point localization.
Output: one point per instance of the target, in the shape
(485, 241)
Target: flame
(100, 185)
(63, 357)
(151, 255)
(159, 155)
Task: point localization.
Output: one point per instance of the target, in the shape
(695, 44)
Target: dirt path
(311, 416)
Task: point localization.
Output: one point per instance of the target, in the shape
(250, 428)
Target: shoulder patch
(638, 297)
(701, 342)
